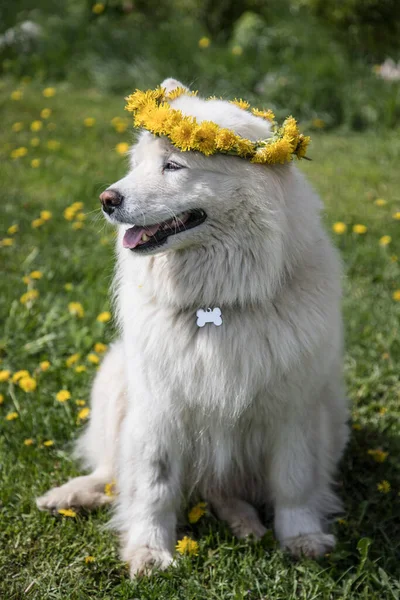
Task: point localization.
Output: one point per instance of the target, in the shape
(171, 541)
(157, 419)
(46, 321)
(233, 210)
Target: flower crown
(152, 111)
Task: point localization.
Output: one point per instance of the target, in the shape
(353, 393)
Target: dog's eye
(172, 166)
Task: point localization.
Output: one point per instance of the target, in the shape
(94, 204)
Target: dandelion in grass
(49, 92)
(36, 223)
(197, 512)
(4, 375)
(383, 487)
(359, 229)
(35, 163)
(99, 347)
(187, 546)
(80, 369)
(46, 215)
(89, 122)
(28, 384)
(237, 50)
(29, 296)
(339, 227)
(378, 455)
(396, 215)
(6, 242)
(380, 202)
(76, 309)
(396, 295)
(93, 358)
(98, 8)
(17, 127)
(385, 240)
(36, 275)
(19, 152)
(44, 365)
(89, 559)
(12, 416)
(318, 123)
(122, 148)
(77, 225)
(19, 375)
(83, 413)
(16, 95)
(80, 402)
(13, 229)
(45, 113)
(63, 396)
(71, 360)
(204, 42)
(28, 442)
(36, 125)
(53, 144)
(68, 287)
(35, 142)
(104, 317)
(67, 512)
(48, 443)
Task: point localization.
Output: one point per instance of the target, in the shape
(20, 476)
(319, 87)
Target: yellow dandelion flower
(1, 398)
(89, 559)
(380, 202)
(204, 42)
(318, 123)
(36, 275)
(384, 487)
(63, 395)
(17, 126)
(77, 206)
(197, 512)
(45, 113)
(122, 148)
(80, 216)
(291, 131)
(5, 375)
(176, 93)
(46, 215)
(182, 134)
(80, 402)
(396, 295)
(378, 455)
(121, 127)
(89, 122)
(359, 229)
(69, 213)
(339, 227)
(28, 442)
(397, 215)
(71, 360)
(204, 137)
(225, 140)
(28, 384)
(382, 411)
(268, 115)
(26, 279)
(302, 145)
(93, 358)
(29, 296)
(48, 443)
(67, 512)
(243, 104)
(77, 225)
(80, 369)
(244, 148)
(279, 151)
(83, 413)
(37, 223)
(385, 240)
(187, 546)
(16, 95)
(49, 92)
(12, 416)
(109, 489)
(98, 8)
(19, 152)
(53, 144)
(68, 287)
(19, 375)
(35, 142)
(76, 309)
(104, 317)
(44, 365)
(36, 125)
(99, 347)
(7, 242)
(13, 229)
(139, 99)
(237, 50)
(356, 427)
(35, 163)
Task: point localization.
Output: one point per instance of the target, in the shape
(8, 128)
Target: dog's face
(173, 200)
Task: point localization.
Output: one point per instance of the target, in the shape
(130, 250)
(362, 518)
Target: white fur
(248, 413)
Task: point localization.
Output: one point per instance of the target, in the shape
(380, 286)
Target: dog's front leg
(149, 479)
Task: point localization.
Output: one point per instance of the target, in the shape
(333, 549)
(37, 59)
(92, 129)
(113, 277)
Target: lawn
(66, 259)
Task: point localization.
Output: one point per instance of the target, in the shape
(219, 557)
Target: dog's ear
(171, 84)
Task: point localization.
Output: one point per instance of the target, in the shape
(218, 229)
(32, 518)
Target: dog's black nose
(110, 200)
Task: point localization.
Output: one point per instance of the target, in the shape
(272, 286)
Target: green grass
(42, 556)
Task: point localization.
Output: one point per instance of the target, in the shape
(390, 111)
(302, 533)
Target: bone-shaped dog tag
(211, 315)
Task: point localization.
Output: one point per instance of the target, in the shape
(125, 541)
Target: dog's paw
(311, 545)
(247, 528)
(143, 560)
(69, 495)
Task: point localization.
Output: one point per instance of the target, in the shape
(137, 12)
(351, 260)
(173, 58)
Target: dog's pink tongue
(133, 235)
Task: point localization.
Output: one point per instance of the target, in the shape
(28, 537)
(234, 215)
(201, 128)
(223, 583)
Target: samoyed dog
(246, 414)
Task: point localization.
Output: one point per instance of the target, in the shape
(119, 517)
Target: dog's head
(173, 200)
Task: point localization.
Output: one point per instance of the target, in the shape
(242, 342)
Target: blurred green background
(331, 63)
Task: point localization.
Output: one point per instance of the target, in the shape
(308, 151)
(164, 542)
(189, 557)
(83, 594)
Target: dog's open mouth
(145, 238)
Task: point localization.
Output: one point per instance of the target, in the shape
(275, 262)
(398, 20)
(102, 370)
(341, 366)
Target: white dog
(243, 414)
